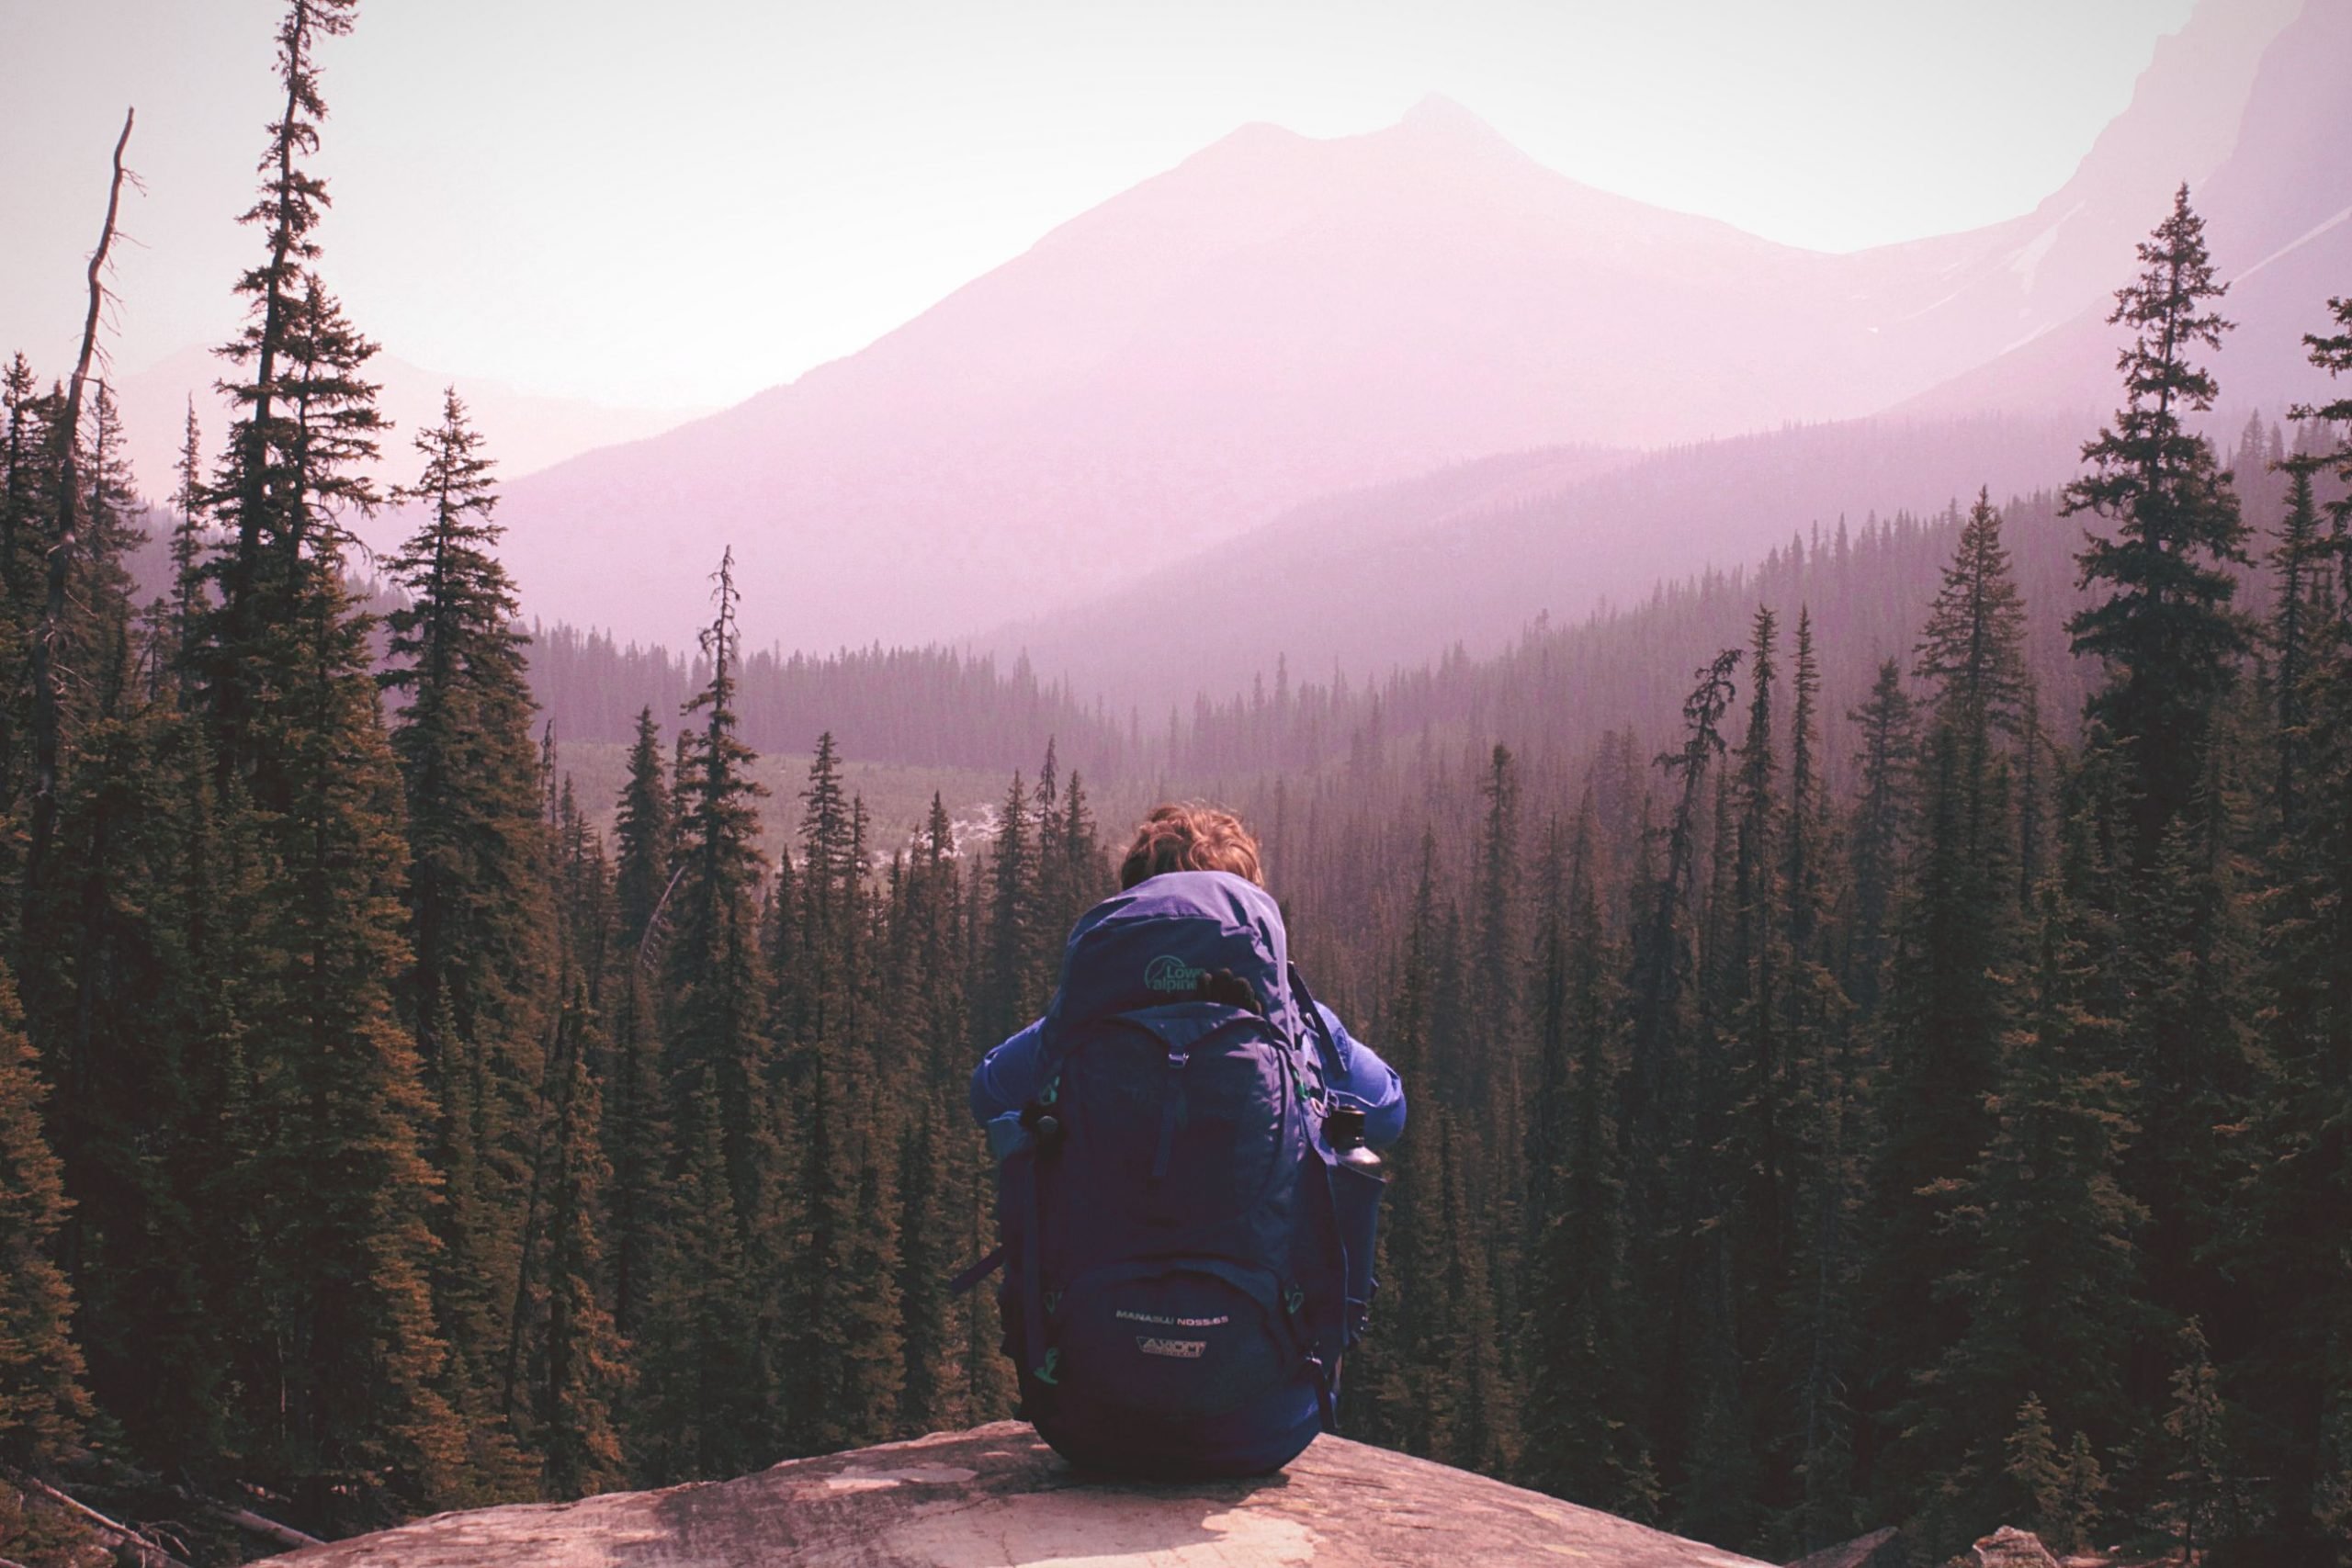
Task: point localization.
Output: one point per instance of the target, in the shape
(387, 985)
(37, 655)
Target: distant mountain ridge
(1393, 577)
(1279, 319)
(526, 431)
(1402, 579)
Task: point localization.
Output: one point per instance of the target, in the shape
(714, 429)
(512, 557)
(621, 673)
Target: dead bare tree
(64, 542)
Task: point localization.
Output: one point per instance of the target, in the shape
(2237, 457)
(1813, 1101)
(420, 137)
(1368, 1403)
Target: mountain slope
(2279, 221)
(1396, 576)
(1280, 317)
(1399, 577)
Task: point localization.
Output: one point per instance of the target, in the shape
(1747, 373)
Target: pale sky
(680, 204)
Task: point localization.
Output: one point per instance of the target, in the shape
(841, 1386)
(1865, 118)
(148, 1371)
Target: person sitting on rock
(1185, 1195)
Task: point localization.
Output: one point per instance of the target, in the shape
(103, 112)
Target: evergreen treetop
(2163, 621)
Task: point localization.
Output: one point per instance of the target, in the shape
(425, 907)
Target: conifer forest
(1878, 1021)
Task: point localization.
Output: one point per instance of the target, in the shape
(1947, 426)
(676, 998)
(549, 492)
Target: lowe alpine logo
(1181, 1349)
(1170, 973)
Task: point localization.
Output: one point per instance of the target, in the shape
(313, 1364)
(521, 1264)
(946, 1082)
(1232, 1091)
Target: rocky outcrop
(1879, 1548)
(995, 1496)
(2010, 1547)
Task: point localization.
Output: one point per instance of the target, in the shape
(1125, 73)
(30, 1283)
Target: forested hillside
(930, 705)
(1869, 580)
(1878, 1026)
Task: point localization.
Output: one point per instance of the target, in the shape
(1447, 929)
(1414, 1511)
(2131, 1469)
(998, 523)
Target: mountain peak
(1439, 119)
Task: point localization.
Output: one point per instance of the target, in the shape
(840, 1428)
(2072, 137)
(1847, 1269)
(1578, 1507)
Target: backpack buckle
(1045, 1127)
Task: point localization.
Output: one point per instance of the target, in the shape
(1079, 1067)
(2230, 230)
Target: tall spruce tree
(717, 991)
(2298, 560)
(1949, 982)
(336, 1357)
(562, 1346)
(125, 976)
(2161, 617)
(273, 480)
(2048, 1274)
(2297, 1374)
(1004, 991)
(1579, 1444)
(1757, 932)
(1881, 825)
(636, 1099)
(722, 1106)
(42, 1406)
(480, 994)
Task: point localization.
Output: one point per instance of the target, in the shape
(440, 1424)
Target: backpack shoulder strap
(1329, 1052)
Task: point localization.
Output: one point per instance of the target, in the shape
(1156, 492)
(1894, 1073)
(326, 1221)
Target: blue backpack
(1173, 1254)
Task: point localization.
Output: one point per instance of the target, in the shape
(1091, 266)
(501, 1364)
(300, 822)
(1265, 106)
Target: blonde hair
(1190, 836)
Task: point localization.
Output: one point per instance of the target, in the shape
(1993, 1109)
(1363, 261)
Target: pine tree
(575, 1365)
(2080, 1508)
(1664, 962)
(478, 849)
(480, 898)
(1813, 1353)
(1004, 990)
(23, 450)
(636, 1129)
(818, 993)
(702, 1410)
(187, 544)
(643, 833)
(1086, 875)
(1395, 1391)
(1973, 647)
(2299, 559)
(1496, 1010)
(324, 1216)
(2036, 1473)
(2047, 1282)
(42, 1408)
(2164, 623)
(1757, 1015)
(926, 1257)
(1497, 1017)
(1949, 983)
(1882, 814)
(2297, 1374)
(2331, 352)
(1579, 1443)
(2194, 1446)
(1547, 1004)
(345, 1355)
(1484, 1433)
(636, 1099)
(118, 941)
(304, 415)
(715, 1027)
(1660, 1108)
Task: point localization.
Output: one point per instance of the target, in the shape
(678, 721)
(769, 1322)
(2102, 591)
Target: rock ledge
(996, 1497)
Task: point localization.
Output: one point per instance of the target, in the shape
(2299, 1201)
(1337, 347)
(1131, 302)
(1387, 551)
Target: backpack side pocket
(1356, 1191)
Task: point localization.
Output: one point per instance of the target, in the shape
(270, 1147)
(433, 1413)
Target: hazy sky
(682, 203)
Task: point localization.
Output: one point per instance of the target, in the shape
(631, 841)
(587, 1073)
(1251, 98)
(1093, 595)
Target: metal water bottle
(1357, 1182)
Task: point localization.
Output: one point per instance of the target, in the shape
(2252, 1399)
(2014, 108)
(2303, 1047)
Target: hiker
(1185, 1192)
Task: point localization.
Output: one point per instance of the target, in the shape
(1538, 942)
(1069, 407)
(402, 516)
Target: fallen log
(268, 1529)
(142, 1546)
